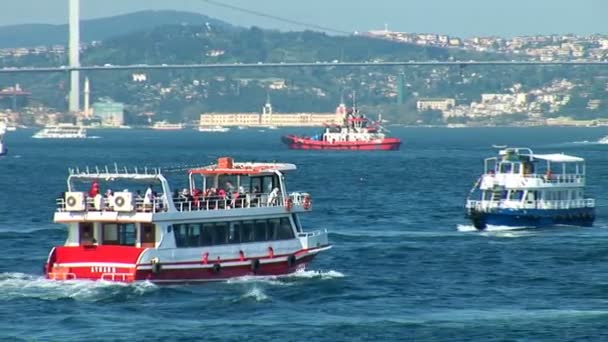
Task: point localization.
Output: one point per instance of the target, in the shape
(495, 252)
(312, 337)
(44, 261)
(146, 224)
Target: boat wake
(21, 285)
(283, 280)
(489, 228)
(255, 294)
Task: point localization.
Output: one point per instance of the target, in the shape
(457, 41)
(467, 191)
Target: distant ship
(167, 126)
(356, 133)
(61, 131)
(216, 129)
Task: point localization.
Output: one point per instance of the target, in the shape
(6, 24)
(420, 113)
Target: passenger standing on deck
(94, 190)
(148, 198)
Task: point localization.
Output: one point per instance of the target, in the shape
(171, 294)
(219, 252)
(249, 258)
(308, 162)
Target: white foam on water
(21, 285)
(309, 274)
(270, 280)
(256, 294)
(466, 228)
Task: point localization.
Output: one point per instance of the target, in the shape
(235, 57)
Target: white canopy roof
(559, 158)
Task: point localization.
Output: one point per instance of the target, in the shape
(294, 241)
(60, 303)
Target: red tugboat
(356, 133)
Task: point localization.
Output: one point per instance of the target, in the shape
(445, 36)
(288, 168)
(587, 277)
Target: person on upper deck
(94, 190)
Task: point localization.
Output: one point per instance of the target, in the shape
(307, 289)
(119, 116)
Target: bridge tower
(74, 47)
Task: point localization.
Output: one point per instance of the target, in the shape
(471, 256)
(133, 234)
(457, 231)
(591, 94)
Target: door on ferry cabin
(86, 234)
(148, 235)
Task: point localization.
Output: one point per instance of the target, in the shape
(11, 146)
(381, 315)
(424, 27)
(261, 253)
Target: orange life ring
(306, 202)
(288, 204)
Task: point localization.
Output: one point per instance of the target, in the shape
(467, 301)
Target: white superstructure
(61, 131)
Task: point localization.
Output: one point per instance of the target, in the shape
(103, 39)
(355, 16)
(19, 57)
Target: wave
(280, 280)
(255, 294)
(21, 285)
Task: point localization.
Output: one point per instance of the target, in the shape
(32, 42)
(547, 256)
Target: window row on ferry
(232, 232)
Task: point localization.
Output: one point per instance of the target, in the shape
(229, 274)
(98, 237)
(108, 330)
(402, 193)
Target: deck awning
(559, 158)
(244, 169)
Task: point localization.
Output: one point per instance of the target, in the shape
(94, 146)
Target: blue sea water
(401, 267)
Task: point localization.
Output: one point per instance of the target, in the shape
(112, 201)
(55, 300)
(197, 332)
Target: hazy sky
(454, 17)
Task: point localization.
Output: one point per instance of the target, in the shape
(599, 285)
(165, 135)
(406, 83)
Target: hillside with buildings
(407, 95)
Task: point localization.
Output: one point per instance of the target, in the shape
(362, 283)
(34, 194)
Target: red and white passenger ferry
(232, 219)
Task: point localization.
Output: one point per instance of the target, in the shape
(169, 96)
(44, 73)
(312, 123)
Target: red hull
(299, 143)
(116, 263)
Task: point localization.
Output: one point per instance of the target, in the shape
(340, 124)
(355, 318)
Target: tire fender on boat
(255, 265)
(156, 265)
(217, 268)
(291, 260)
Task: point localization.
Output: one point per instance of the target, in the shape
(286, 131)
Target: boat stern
(92, 262)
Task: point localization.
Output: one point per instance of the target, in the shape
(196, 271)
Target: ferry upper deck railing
(535, 179)
(160, 203)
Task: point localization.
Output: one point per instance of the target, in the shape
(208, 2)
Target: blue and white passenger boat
(521, 189)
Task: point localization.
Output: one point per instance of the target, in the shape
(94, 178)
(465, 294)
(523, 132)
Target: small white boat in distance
(167, 126)
(2, 132)
(61, 131)
(218, 129)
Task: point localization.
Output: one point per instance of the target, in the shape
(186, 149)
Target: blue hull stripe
(533, 217)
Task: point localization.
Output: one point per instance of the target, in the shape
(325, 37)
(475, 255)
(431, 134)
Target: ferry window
(285, 230)
(255, 183)
(516, 195)
(235, 232)
(86, 233)
(118, 234)
(505, 167)
(272, 229)
(228, 183)
(128, 234)
(194, 235)
(516, 168)
(148, 234)
(247, 232)
(220, 233)
(110, 234)
(207, 234)
(181, 235)
(260, 230)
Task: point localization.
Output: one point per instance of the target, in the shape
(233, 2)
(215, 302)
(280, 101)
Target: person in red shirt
(94, 190)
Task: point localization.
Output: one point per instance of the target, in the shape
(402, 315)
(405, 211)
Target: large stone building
(268, 118)
(441, 104)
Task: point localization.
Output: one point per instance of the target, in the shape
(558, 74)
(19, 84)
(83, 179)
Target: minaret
(87, 96)
(267, 109)
(341, 110)
(74, 47)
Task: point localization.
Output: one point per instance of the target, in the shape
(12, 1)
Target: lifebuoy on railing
(119, 201)
(306, 202)
(288, 204)
(71, 201)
